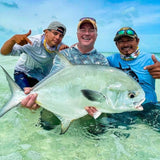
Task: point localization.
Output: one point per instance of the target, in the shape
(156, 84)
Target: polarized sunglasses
(85, 18)
(126, 32)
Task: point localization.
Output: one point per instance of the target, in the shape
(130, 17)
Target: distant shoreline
(110, 53)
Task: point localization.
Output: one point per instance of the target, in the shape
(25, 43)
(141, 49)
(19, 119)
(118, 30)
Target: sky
(18, 16)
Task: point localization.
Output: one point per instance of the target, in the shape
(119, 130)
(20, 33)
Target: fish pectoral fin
(93, 95)
(65, 125)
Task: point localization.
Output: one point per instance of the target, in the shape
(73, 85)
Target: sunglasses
(126, 32)
(85, 18)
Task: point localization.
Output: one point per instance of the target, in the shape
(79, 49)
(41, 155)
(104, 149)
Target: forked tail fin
(16, 93)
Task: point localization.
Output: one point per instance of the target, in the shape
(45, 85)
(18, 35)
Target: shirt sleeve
(104, 61)
(17, 50)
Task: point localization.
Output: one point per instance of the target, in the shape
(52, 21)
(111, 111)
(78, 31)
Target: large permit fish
(67, 92)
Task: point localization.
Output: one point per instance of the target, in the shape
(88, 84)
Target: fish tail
(8, 106)
(15, 90)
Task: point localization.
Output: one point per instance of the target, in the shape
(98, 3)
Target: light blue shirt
(34, 60)
(136, 66)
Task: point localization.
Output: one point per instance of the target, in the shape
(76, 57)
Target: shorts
(23, 80)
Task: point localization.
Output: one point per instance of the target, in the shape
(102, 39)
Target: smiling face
(53, 37)
(87, 35)
(127, 45)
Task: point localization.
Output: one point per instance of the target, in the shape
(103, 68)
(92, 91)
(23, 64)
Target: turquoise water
(21, 138)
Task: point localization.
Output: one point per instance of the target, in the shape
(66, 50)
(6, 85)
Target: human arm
(30, 100)
(154, 69)
(20, 39)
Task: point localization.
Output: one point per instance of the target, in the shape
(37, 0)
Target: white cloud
(36, 15)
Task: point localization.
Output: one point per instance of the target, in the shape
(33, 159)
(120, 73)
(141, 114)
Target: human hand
(154, 69)
(92, 111)
(63, 46)
(30, 100)
(22, 39)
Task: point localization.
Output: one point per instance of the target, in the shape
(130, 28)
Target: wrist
(13, 40)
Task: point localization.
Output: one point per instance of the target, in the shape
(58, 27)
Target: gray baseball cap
(57, 26)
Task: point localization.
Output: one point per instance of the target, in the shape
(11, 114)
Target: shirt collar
(47, 47)
(88, 53)
(130, 57)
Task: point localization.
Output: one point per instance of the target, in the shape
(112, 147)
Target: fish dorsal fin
(93, 95)
(63, 59)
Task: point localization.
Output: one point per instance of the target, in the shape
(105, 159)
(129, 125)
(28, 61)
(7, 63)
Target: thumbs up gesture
(154, 69)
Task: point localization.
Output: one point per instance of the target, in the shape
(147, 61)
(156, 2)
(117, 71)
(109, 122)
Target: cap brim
(120, 36)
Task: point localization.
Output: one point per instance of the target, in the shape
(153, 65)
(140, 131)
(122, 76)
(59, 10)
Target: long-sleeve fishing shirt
(34, 60)
(74, 56)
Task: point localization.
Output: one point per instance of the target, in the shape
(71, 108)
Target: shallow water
(126, 137)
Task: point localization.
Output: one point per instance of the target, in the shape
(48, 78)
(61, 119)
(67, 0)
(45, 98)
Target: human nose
(87, 32)
(125, 43)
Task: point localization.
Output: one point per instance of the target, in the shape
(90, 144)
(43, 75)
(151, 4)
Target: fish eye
(131, 94)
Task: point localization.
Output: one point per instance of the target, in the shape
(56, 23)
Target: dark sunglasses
(126, 32)
(85, 18)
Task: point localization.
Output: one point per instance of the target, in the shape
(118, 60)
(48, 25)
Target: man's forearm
(7, 46)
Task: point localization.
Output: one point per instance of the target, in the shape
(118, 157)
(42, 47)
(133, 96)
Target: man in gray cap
(36, 53)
